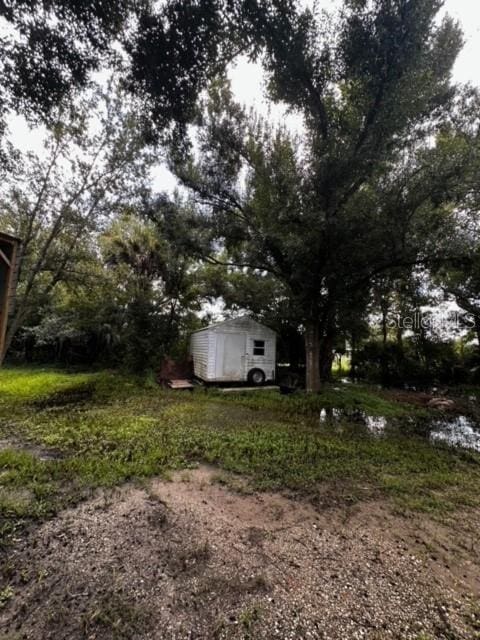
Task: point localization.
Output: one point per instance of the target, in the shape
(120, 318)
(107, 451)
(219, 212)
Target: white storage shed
(236, 350)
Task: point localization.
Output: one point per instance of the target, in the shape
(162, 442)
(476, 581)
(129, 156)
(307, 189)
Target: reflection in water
(331, 415)
(374, 424)
(457, 432)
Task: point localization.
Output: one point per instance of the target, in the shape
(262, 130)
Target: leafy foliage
(51, 47)
(95, 163)
(323, 249)
(156, 285)
(310, 233)
(125, 430)
(461, 280)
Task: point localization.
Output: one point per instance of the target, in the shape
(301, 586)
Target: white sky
(247, 82)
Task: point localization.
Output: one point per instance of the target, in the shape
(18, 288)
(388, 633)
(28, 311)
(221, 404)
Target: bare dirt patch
(417, 398)
(192, 559)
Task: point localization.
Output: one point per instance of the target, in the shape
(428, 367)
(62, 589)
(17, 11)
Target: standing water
(457, 432)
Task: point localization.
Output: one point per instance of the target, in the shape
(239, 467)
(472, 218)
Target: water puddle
(457, 432)
(330, 415)
(374, 424)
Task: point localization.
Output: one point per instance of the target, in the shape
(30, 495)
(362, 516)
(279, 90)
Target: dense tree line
(369, 213)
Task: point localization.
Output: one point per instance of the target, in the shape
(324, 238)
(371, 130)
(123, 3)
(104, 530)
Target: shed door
(231, 359)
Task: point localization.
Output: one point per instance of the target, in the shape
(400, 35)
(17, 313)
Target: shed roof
(232, 322)
(6, 237)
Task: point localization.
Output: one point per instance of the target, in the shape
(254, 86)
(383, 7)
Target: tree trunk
(353, 355)
(400, 335)
(312, 353)
(12, 329)
(384, 358)
(384, 327)
(326, 356)
(477, 329)
(327, 344)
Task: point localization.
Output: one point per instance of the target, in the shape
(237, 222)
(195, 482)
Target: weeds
(109, 429)
(6, 594)
(116, 617)
(248, 619)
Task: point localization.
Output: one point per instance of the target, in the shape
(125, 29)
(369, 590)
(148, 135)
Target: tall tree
(365, 190)
(373, 84)
(95, 161)
(155, 281)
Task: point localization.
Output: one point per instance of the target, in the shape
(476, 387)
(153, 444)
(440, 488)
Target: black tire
(256, 377)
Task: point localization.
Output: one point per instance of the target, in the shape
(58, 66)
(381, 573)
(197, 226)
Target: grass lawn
(64, 434)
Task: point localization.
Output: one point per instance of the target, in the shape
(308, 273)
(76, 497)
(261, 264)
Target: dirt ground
(193, 558)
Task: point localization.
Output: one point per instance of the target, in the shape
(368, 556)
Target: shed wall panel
(207, 350)
(199, 349)
(212, 354)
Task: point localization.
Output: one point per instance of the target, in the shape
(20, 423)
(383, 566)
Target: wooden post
(312, 357)
(9, 260)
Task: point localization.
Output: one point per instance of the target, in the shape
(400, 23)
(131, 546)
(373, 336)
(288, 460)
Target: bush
(412, 363)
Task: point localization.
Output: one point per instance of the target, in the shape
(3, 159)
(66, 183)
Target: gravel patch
(191, 559)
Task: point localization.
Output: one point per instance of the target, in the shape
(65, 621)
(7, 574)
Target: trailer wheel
(256, 377)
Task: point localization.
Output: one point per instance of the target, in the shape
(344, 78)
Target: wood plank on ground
(237, 389)
(180, 384)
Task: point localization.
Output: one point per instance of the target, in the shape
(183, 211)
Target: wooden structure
(228, 390)
(237, 350)
(173, 373)
(180, 385)
(9, 265)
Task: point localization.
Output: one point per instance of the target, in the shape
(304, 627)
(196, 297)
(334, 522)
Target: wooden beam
(5, 259)
(180, 384)
(8, 290)
(271, 387)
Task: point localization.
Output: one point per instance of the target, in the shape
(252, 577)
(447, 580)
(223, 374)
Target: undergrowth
(106, 428)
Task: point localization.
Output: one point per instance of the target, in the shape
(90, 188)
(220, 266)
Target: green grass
(344, 397)
(107, 428)
(19, 385)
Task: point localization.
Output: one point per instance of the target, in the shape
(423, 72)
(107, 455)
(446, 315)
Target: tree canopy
(310, 231)
(370, 186)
